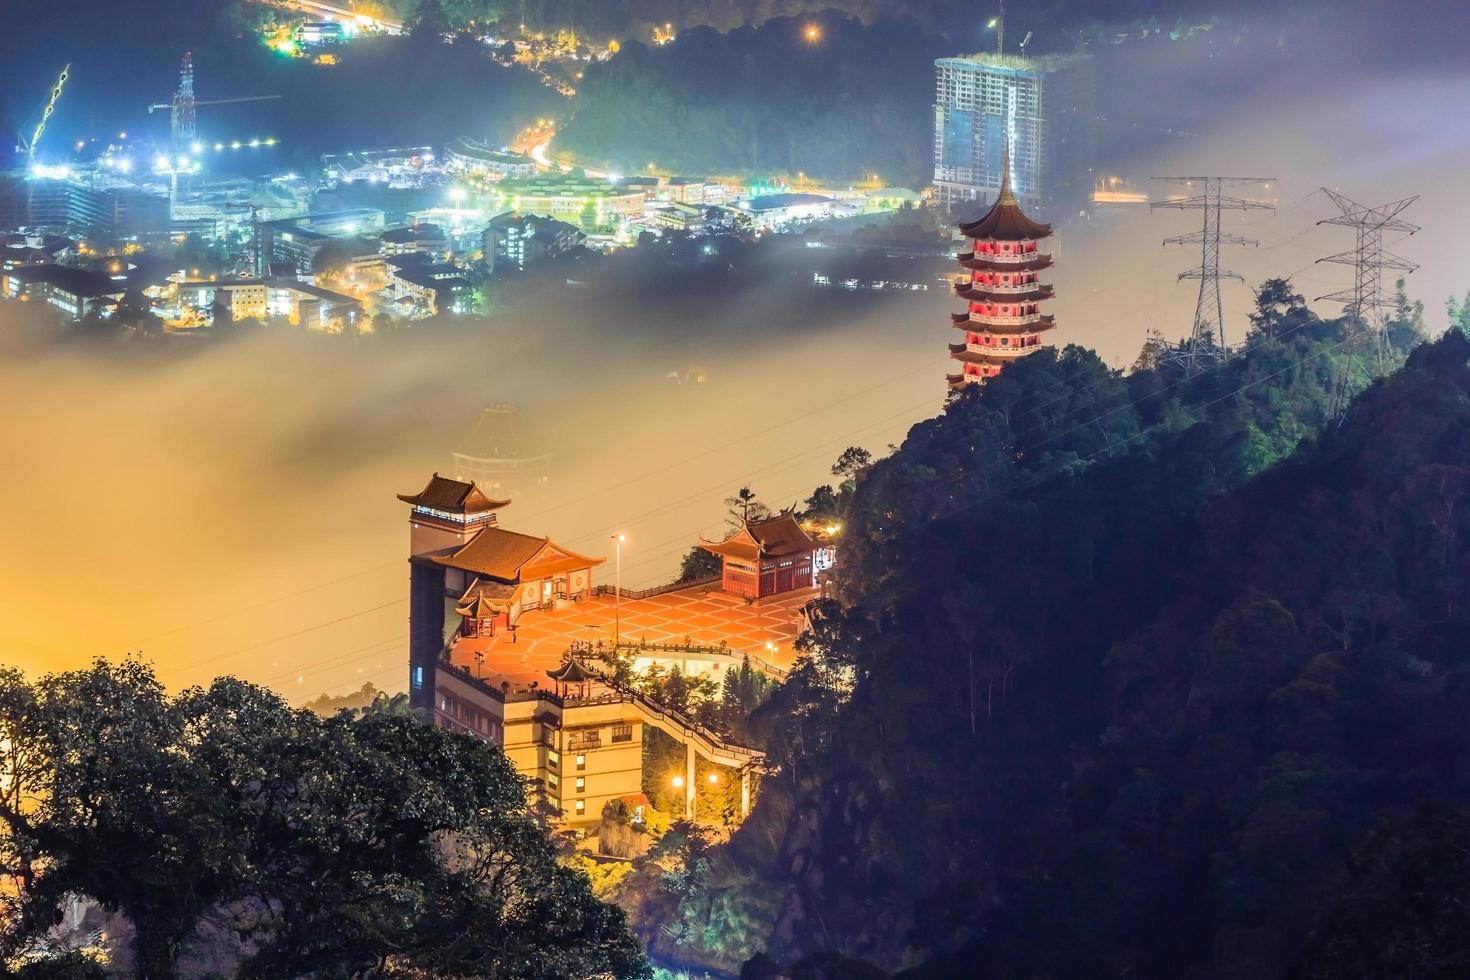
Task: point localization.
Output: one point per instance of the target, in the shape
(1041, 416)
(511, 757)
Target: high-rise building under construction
(1040, 105)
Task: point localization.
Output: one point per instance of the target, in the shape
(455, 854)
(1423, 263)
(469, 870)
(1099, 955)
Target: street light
(678, 782)
(618, 589)
(714, 777)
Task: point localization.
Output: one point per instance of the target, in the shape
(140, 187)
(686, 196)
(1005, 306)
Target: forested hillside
(1134, 676)
(766, 101)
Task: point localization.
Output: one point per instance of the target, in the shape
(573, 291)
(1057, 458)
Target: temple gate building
(1002, 285)
(768, 557)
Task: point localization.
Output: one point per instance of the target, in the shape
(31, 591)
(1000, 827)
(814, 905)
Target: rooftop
(453, 496)
(500, 554)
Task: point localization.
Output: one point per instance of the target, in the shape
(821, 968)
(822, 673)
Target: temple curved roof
(505, 555)
(571, 672)
(452, 496)
(774, 537)
(1005, 221)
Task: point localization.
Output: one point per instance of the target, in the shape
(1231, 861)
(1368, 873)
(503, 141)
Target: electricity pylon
(1207, 341)
(1365, 301)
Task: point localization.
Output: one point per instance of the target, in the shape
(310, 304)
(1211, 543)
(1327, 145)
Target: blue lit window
(418, 677)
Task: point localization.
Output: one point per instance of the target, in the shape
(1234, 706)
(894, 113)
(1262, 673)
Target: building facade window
(581, 806)
(581, 762)
(622, 733)
(553, 759)
(581, 784)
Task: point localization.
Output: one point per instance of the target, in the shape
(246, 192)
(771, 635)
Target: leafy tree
(1406, 912)
(135, 311)
(699, 564)
(1278, 308)
(743, 507)
(223, 825)
(854, 462)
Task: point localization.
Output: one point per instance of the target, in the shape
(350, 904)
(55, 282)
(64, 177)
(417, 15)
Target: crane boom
(50, 108)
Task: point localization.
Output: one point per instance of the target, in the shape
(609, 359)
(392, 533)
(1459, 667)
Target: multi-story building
(521, 240)
(300, 303)
(75, 292)
(590, 203)
(472, 156)
(421, 288)
(1039, 107)
(98, 211)
(426, 238)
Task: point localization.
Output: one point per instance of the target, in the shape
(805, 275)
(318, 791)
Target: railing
(1016, 320)
(1001, 287)
(690, 730)
(655, 590)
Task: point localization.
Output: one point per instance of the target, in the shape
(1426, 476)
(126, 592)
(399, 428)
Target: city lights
(813, 33)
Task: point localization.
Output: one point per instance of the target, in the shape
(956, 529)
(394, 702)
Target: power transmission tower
(1207, 341)
(1365, 301)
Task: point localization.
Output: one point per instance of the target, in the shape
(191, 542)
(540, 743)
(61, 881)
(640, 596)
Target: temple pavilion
(492, 574)
(768, 557)
(1002, 286)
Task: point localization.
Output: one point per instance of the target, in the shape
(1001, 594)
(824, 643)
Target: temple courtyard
(700, 616)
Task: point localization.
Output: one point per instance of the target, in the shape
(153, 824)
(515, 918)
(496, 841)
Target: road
(324, 9)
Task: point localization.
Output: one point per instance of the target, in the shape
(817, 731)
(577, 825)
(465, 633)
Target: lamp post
(618, 589)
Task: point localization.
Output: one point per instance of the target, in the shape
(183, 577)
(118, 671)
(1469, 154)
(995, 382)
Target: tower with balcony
(1002, 287)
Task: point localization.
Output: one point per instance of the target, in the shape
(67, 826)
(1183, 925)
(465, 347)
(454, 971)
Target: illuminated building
(495, 454)
(522, 240)
(1039, 107)
(471, 156)
(421, 288)
(590, 203)
(426, 238)
(75, 292)
(768, 557)
(1003, 289)
(566, 727)
(85, 208)
(299, 303)
(775, 210)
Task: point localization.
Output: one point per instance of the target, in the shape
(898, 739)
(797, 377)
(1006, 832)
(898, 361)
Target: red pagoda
(1004, 320)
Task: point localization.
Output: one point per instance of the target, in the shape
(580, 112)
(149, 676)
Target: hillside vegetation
(1137, 676)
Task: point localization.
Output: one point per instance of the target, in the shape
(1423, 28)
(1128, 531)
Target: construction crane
(182, 108)
(30, 147)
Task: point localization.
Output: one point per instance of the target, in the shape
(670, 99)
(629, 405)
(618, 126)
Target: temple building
(768, 557)
(565, 725)
(1003, 289)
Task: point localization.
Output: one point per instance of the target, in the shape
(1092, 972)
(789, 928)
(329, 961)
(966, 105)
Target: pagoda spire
(1006, 197)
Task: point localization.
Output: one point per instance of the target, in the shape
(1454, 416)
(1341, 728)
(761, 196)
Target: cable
(287, 636)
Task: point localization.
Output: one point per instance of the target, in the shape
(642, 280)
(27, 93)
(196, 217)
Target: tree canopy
(231, 835)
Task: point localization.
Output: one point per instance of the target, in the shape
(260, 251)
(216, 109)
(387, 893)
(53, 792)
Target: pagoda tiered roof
(1002, 355)
(969, 321)
(1034, 263)
(976, 292)
(452, 496)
